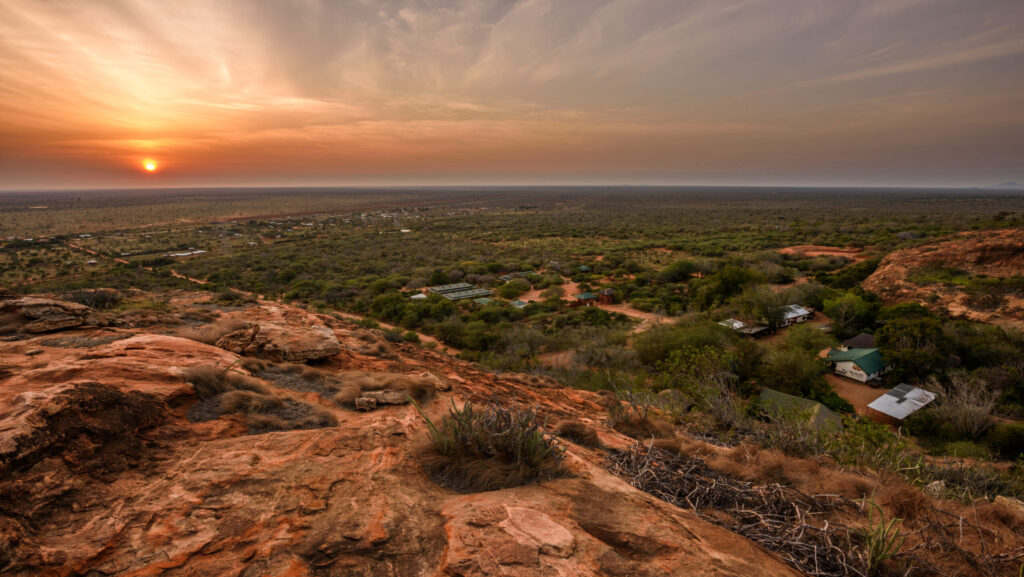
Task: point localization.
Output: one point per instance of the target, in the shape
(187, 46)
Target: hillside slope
(102, 471)
(970, 274)
(129, 445)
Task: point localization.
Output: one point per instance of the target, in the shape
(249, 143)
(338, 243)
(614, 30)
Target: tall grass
(494, 448)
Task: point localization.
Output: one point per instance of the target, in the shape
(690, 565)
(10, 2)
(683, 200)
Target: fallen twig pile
(782, 519)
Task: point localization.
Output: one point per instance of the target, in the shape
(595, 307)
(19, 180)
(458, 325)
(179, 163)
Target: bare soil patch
(857, 394)
(852, 253)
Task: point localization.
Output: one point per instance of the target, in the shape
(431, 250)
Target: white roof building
(901, 402)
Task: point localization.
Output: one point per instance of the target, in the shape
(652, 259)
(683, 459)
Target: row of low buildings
(455, 292)
(791, 315)
(463, 291)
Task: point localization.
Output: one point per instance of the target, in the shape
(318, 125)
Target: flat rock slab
(45, 315)
(282, 343)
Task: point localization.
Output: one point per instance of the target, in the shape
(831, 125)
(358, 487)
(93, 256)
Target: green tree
(849, 313)
(915, 346)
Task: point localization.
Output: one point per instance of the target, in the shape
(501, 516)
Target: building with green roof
(859, 364)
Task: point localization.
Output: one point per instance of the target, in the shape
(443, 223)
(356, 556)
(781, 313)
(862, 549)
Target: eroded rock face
(43, 315)
(994, 253)
(282, 343)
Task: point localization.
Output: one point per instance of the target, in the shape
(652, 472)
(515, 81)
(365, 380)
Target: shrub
(496, 448)
(231, 297)
(965, 449)
(1007, 439)
(967, 402)
(95, 298)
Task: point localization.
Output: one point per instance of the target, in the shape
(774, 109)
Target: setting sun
(149, 165)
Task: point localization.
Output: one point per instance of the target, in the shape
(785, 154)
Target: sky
(425, 92)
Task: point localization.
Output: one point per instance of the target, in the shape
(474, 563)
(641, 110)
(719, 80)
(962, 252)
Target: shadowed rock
(43, 315)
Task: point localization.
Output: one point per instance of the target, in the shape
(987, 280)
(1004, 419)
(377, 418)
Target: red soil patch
(852, 253)
(857, 394)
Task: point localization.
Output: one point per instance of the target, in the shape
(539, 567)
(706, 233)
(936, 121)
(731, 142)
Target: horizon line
(1008, 186)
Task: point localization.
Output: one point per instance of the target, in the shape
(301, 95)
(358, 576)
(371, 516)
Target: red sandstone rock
(101, 472)
(282, 343)
(43, 315)
(995, 253)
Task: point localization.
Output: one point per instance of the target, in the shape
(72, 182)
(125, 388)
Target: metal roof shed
(900, 402)
(451, 288)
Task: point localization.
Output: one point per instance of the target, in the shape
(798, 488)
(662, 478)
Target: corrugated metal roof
(732, 324)
(902, 401)
(450, 288)
(794, 311)
(585, 296)
(861, 341)
(467, 294)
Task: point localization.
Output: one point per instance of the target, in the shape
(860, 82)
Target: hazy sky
(504, 91)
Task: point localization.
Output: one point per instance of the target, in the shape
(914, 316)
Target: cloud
(442, 86)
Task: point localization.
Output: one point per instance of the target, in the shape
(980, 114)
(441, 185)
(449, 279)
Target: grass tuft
(495, 448)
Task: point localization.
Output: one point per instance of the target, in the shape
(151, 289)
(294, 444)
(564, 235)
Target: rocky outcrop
(282, 343)
(42, 315)
(101, 472)
(993, 253)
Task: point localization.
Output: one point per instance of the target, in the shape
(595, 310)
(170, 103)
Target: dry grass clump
(224, 392)
(301, 378)
(372, 345)
(753, 464)
(578, 433)
(251, 364)
(352, 385)
(678, 445)
(1003, 513)
(490, 449)
(210, 381)
(209, 334)
(904, 501)
(645, 427)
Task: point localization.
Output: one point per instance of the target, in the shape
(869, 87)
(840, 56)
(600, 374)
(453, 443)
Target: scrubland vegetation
(686, 259)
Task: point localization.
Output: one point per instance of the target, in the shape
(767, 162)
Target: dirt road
(647, 320)
(857, 394)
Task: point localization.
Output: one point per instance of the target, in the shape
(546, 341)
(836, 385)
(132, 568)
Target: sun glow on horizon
(149, 164)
